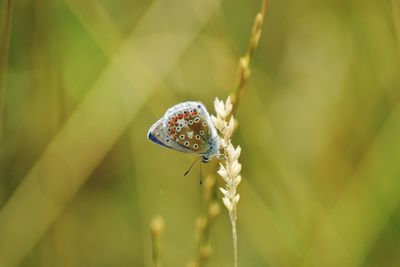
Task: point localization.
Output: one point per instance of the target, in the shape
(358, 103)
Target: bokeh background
(319, 125)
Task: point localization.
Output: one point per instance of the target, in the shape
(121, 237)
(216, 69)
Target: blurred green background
(319, 125)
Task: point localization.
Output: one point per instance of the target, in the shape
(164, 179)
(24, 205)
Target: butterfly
(187, 127)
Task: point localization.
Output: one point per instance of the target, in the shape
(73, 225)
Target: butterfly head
(205, 159)
(213, 150)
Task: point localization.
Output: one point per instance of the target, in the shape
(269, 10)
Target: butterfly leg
(201, 177)
(222, 155)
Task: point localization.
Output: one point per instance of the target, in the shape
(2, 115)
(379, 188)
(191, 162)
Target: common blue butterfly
(187, 127)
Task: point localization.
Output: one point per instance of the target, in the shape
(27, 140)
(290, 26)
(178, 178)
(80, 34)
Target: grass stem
(234, 239)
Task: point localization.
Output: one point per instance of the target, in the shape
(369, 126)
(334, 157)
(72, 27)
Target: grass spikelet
(230, 168)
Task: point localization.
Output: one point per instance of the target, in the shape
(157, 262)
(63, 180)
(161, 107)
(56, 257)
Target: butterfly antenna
(191, 166)
(219, 133)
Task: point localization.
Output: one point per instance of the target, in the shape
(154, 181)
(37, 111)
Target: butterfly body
(187, 127)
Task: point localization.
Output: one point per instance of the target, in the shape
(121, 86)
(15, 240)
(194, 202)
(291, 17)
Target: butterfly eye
(182, 136)
(197, 137)
(190, 122)
(178, 129)
(201, 132)
(205, 124)
(195, 146)
(196, 120)
(186, 143)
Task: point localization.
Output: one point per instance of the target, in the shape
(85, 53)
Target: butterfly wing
(189, 125)
(158, 135)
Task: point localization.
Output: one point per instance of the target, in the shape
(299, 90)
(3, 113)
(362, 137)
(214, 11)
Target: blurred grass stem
(205, 222)
(396, 22)
(4, 48)
(157, 227)
(244, 71)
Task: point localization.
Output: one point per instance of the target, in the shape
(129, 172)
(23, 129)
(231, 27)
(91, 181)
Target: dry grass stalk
(224, 121)
(230, 170)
